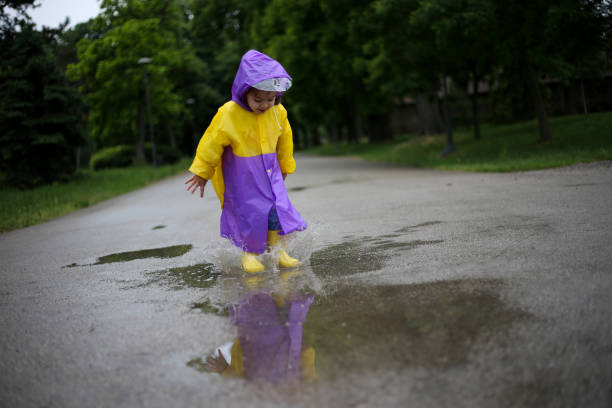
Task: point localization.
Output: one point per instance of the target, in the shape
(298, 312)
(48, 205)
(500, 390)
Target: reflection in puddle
(165, 252)
(268, 320)
(430, 325)
(356, 328)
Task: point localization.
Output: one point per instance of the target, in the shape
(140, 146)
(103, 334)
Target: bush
(165, 154)
(116, 156)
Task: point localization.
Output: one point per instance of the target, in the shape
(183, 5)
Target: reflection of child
(247, 151)
(269, 344)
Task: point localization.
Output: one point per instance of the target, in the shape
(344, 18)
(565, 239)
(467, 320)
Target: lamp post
(144, 62)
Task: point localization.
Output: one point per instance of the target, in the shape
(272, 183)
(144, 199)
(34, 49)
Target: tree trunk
(316, 137)
(142, 126)
(78, 158)
(584, 104)
(170, 134)
(450, 145)
(475, 107)
(536, 96)
(571, 98)
(427, 115)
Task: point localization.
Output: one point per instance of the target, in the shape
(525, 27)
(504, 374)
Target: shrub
(116, 156)
(165, 154)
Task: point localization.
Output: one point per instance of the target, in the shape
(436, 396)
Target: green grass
(22, 208)
(514, 147)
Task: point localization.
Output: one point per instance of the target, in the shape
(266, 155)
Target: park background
(106, 106)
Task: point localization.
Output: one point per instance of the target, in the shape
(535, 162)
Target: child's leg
(250, 263)
(284, 261)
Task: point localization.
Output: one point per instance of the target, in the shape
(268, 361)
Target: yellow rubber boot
(284, 261)
(251, 264)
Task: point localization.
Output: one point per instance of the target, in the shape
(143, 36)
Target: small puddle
(353, 257)
(296, 189)
(165, 252)
(159, 227)
(430, 325)
(199, 276)
(346, 258)
(207, 307)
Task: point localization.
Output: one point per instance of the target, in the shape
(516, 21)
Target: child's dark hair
(277, 100)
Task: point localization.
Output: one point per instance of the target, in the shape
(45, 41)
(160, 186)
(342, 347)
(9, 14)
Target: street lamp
(144, 62)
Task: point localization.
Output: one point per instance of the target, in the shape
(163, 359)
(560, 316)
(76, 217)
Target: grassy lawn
(22, 208)
(576, 139)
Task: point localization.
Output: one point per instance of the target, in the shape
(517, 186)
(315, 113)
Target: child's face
(260, 101)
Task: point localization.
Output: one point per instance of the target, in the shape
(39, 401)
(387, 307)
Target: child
(247, 151)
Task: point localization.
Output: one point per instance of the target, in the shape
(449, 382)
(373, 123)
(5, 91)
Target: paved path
(430, 289)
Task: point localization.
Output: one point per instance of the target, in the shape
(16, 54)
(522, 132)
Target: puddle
(207, 307)
(353, 257)
(299, 188)
(198, 364)
(413, 227)
(346, 258)
(382, 245)
(199, 276)
(165, 252)
(159, 227)
(428, 325)
(363, 328)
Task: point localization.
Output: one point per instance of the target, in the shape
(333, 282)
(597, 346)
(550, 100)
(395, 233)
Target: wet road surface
(420, 288)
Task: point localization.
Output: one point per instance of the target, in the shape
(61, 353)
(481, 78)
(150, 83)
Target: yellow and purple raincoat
(245, 154)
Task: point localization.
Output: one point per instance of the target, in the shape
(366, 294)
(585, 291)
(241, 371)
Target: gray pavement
(430, 289)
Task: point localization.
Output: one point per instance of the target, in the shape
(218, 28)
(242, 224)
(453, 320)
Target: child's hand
(196, 182)
(217, 364)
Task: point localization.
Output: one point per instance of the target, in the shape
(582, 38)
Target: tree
(39, 109)
(112, 79)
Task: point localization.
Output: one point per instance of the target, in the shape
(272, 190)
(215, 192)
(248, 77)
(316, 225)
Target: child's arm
(196, 182)
(208, 154)
(284, 146)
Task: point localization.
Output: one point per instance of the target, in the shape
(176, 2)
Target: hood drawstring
(275, 117)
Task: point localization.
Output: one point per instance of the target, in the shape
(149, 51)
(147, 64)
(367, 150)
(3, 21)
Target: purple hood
(254, 67)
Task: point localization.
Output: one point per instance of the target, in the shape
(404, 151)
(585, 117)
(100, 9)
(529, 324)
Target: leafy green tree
(39, 110)
(113, 80)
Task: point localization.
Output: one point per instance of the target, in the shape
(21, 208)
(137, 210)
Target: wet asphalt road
(430, 289)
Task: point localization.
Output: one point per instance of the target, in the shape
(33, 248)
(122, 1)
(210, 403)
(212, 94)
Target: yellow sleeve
(236, 368)
(284, 147)
(210, 149)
